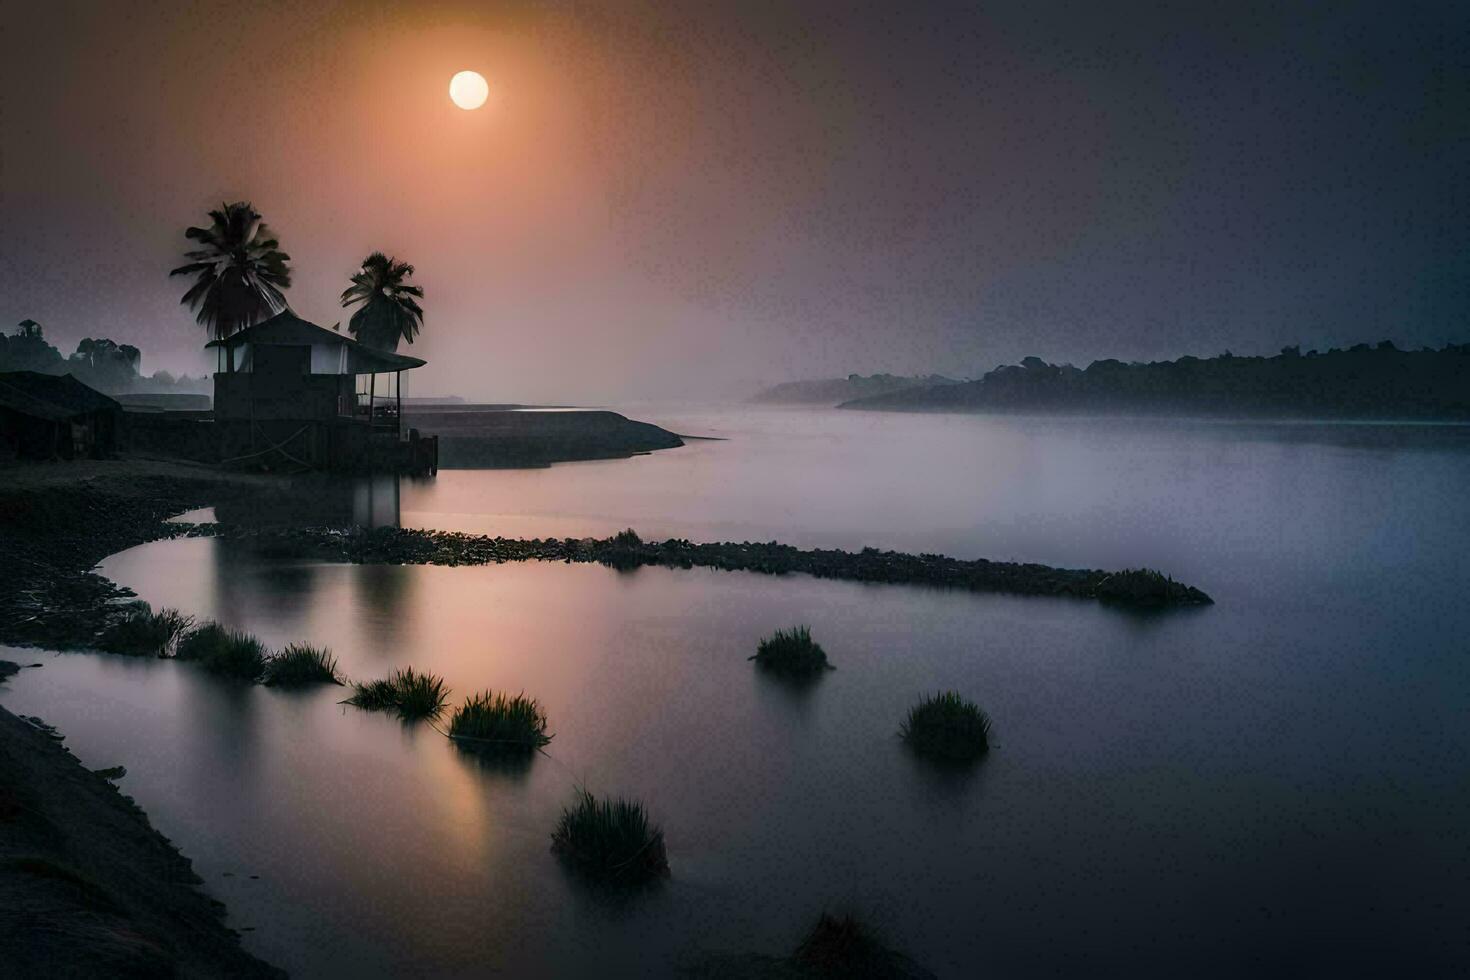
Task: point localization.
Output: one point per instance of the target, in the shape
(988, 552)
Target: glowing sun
(468, 89)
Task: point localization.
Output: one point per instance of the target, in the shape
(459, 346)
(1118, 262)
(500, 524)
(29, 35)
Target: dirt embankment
(477, 439)
(87, 887)
(58, 520)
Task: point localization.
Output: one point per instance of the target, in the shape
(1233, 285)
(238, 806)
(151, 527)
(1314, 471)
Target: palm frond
(241, 271)
(389, 311)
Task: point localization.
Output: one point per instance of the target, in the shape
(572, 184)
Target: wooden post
(398, 391)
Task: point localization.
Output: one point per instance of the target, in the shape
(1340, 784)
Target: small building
(290, 392)
(51, 416)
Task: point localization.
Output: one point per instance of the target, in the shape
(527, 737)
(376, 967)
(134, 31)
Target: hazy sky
(689, 198)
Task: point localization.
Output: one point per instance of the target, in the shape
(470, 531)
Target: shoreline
(111, 895)
(477, 439)
(88, 887)
(407, 546)
(59, 521)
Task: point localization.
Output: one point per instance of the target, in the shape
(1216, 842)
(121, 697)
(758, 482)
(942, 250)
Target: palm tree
(239, 271)
(390, 311)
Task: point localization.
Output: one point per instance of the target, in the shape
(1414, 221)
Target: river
(1276, 784)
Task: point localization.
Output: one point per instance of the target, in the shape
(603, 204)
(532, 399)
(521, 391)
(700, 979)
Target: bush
(946, 726)
(198, 643)
(846, 947)
(493, 721)
(378, 695)
(792, 652)
(222, 651)
(301, 664)
(1147, 587)
(611, 840)
(145, 633)
(411, 694)
(627, 538)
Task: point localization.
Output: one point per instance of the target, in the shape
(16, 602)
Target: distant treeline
(831, 391)
(100, 362)
(1364, 381)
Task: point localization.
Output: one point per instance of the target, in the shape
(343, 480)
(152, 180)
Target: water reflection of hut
(46, 416)
(290, 391)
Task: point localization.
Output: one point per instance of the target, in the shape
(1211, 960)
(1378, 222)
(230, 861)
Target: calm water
(1277, 784)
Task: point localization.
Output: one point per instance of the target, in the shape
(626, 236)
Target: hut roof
(51, 396)
(286, 329)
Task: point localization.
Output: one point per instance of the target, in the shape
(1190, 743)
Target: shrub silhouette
(300, 664)
(412, 695)
(610, 840)
(144, 633)
(499, 722)
(222, 651)
(843, 946)
(947, 726)
(791, 652)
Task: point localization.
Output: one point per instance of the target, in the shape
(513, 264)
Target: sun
(468, 89)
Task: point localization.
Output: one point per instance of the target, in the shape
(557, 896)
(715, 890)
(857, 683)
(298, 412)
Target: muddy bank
(470, 439)
(58, 520)
(87, 887)
(401, 546)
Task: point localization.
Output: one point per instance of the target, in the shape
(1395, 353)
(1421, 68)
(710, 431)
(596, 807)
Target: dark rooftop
(51, 396)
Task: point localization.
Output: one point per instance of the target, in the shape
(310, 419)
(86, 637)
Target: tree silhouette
(390, 311)
(239, 272)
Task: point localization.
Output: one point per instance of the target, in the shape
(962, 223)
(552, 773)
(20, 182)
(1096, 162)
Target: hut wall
(282, 395)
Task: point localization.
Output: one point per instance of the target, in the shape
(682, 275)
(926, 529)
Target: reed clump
(411, 694)
(145, 633)
(791, 651)
(299, 664)
(947, 726)
(498, 722)
(611, 840)
(230, 653)
(844, 946)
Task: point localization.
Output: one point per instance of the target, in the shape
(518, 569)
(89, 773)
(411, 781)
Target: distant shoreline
(1362, 383)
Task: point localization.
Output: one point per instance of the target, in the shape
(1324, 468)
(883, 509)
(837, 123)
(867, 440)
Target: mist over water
(1273, 783)
(694, 200)
(692, 213)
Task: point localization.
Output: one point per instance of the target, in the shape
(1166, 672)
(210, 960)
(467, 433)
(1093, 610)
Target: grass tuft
(843, 946)
(198, 643)
(494, 721)
(300, 664)
(224, 651)
(947, 726)
(412, 695)
(611, 840)
(791, 651)
(145, 633)
(378, 695)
